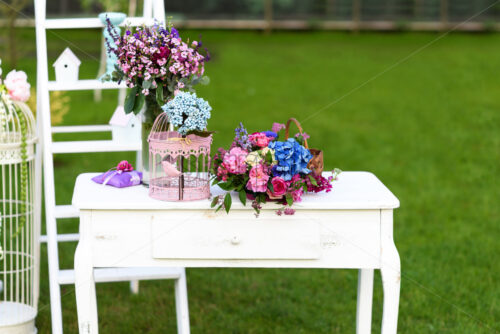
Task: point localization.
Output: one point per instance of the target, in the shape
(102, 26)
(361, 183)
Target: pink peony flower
(260, 139)
(124, 166)
(234, 161)
(279, 188)
(258, 179)
(17, 85)
(277, 127)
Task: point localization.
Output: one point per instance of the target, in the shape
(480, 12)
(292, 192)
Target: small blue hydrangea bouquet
(189, 114)
(261, 167)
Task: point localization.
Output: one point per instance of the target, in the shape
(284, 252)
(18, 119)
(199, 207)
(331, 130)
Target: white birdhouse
(125, 128)
(67, 66)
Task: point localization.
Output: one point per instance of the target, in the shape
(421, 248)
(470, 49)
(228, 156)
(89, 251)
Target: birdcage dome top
(17, 123)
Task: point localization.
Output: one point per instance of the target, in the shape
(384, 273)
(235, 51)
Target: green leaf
(214, 201)
(313, 180)
(159, 94)
(269, 157)
(289, 199)
(139, 102)
(204, 80)
(270, 187)
(218, 208)
(130, 100)
(226, 186)
(146, 84)
(243, 197)
(227, 202)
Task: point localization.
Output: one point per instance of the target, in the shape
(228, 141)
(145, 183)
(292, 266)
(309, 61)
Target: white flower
(253, 158)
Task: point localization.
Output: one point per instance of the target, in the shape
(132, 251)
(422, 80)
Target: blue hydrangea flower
(292, 158)
(188, 112)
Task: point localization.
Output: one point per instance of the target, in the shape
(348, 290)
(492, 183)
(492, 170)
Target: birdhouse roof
(67, 55)
(120, 118)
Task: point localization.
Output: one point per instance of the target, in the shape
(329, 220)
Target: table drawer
(309, 239)
(234, 237)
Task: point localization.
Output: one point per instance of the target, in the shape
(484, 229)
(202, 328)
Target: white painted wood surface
(351, 227)
(352, 190)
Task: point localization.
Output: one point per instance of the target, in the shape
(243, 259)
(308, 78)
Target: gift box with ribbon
(121, 176)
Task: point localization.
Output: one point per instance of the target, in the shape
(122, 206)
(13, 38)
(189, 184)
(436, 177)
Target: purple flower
(271, 134)
(174, 33)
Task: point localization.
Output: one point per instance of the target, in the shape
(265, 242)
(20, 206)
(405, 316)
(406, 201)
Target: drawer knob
(235, 240)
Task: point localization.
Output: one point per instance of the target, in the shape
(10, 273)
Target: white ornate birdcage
(179, 165)
(19, 230)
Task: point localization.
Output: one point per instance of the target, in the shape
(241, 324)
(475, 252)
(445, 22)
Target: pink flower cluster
(234, 161)
(258, 178)
(17, 86)
(260, 139)
(157, 55)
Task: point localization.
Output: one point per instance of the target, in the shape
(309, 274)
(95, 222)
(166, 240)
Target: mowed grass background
(429, 129)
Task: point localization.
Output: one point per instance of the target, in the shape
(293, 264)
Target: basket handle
(287, 130)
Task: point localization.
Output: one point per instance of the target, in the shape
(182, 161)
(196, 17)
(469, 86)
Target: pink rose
(258, 179)
(17, 85)
(234, 161)
(260, 139)
(124, 166)
(279, 188)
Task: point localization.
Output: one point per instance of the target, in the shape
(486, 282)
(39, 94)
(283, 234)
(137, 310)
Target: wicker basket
(316, 163)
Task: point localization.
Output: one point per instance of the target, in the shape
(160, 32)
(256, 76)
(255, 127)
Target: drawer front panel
(309, 239)
(234, 237)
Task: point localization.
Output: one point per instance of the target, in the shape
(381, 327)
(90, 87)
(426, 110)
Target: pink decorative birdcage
(179, 165)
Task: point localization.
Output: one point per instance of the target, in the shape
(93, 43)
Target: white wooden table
(350, 227)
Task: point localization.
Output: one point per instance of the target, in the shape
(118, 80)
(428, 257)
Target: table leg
(86, 302)
(391, 276)
(181, 304)
(365, 298)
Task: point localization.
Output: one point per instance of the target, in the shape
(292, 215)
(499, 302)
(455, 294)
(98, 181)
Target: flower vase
(115, 19)
(151, 111)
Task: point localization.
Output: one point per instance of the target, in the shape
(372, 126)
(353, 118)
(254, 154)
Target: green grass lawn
(429, 128)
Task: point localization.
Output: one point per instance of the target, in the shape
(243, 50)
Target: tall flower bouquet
(156, 64)
(261, 168)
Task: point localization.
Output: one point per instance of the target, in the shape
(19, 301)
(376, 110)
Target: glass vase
(151, 111)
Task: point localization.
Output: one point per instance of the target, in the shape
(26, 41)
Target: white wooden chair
(153, 10)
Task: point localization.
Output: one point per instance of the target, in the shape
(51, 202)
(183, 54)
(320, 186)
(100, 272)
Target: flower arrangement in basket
(262, 168)
(180, 160)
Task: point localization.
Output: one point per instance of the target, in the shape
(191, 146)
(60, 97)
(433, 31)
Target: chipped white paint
(351, 227)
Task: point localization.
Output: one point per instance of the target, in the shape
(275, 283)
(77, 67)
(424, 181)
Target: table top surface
(351, 191)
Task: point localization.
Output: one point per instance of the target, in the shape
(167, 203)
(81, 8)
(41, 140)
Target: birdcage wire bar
(179, 164)
(19, 229)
